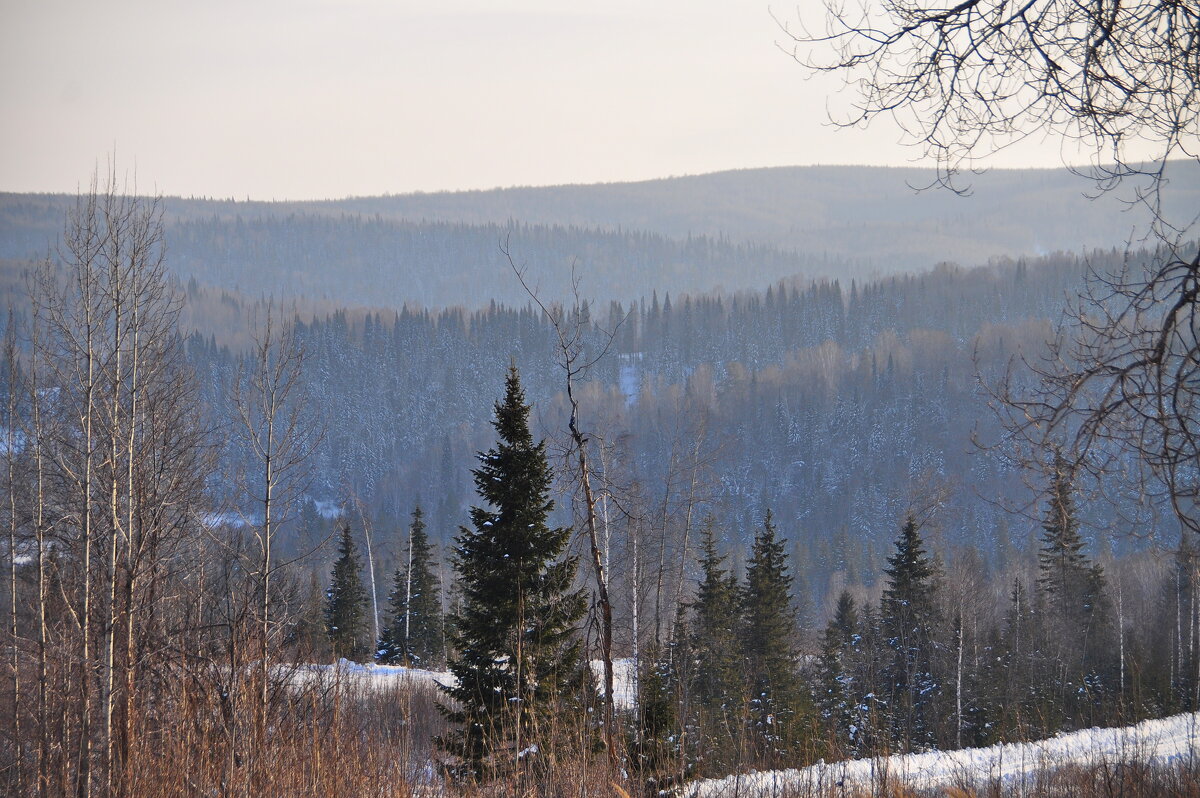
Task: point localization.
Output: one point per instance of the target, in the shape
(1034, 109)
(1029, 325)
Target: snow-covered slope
(1167, 741)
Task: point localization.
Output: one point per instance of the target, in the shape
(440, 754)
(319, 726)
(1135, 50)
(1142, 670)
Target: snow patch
(1164, 742)
(385, 677)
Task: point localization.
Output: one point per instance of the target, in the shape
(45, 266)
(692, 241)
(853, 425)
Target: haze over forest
(729, 231)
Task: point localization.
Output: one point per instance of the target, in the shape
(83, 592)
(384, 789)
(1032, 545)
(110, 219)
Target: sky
(313, 99)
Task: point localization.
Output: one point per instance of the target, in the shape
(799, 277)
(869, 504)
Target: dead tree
(571, 329)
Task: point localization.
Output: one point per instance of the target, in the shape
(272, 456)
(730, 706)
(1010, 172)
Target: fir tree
(768, 640)
(346, 603)
(518, 664)
(909, 618)
(413, 635)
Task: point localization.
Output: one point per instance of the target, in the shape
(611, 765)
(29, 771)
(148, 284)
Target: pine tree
(413, 635)
(777, 702)
(909, 618)
(518, 664)
(346, 604)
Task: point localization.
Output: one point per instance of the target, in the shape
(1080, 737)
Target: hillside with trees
(730, 231)
(808, 543)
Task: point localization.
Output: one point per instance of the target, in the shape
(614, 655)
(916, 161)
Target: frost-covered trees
(518, 665)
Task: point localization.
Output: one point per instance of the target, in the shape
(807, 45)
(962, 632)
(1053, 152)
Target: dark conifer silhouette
(413, 635)
(517, 662)
(346, 604)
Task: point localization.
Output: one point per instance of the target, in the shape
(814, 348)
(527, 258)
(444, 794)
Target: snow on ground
(1169, 741)
(368, 676)
(623, 685)
(382, 677)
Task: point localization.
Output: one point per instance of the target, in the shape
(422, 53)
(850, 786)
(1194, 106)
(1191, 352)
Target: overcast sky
(301, 99)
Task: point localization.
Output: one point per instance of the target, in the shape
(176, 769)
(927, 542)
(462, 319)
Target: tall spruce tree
(837, 683)
(777, 701)
(910, 619)
(1076, 621)
(716, 688)
(517, 661)
(716, 683)
(346, 604)
(1063, 569)
(413, 635)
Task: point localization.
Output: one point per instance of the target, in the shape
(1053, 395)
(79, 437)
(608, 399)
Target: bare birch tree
(280, 435)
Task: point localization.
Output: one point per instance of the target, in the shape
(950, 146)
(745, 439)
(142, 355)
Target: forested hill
(837, 406)
(729, 231)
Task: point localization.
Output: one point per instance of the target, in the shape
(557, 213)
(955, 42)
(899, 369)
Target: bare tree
(10, 460)
(967, 79)
(119, 460)
(571, 329)
(280, 435)
(1118, 388)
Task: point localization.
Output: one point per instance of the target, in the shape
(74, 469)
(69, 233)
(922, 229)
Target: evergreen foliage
(346, 604)
(517, 662)
(777, 701)
(838, 677)
(413, 635)
(909, 618)
(1077, 623)
(657, 748)
(716, 683)
(1021, 670)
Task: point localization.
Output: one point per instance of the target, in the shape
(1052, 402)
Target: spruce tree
(777, 702)
(346, 604)
(517, 661)
(909, 618)
(1021, 671)
(413, 635)
(657, 752)
(837, 677)
(1076, 622)
(1063, 569)
(713, 647)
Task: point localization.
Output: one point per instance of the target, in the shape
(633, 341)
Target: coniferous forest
(640, 539)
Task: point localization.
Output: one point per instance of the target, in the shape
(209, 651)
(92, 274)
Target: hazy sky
(298, 99)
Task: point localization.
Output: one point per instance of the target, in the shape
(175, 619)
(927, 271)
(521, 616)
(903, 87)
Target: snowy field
(1169, 741)
(383, 677)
